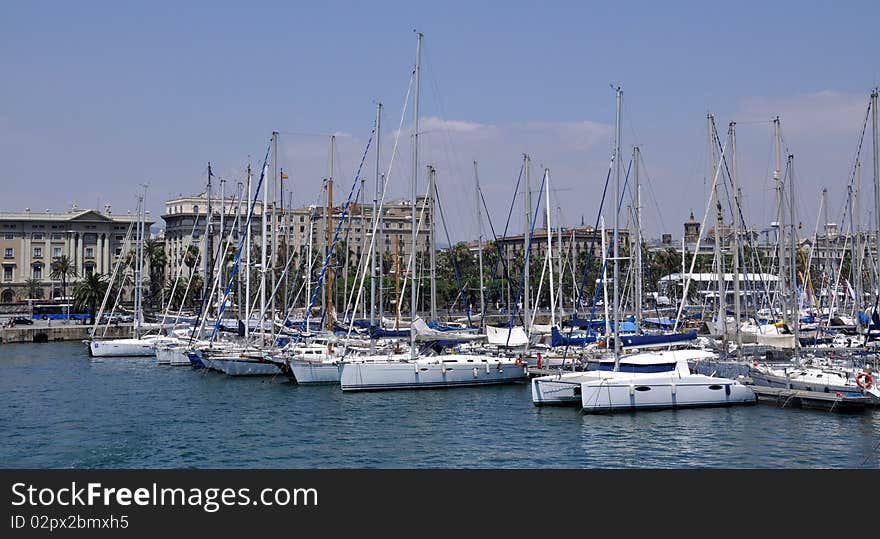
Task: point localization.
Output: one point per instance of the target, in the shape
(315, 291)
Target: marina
(62, 409)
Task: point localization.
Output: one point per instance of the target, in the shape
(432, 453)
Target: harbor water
(61, 409)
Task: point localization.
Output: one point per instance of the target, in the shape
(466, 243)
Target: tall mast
(858, 248)
(479, 241)
(719, 236)
(263, 259)
(209, 245)
(309, 265)
(637, 281)
(781, 288)
(527, 204)
(559, 260)
(874, 114)
(247, 262)
(432, 192)
(374, 258)
(737, 307)
(617, 174)
(220, 267)
(329, 237)
(273, 228)
(550, 249)
(415, 177)
(792, 267)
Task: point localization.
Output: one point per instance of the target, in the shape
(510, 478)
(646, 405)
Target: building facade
(30, 241)
(186, 221)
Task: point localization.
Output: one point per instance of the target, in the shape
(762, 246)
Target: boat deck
(795, 398)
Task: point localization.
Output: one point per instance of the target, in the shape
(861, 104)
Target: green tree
(34, 289)
(61, 269)
(88, 292)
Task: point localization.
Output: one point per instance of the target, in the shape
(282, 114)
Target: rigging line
(338, 228)
(240, 247)
(501, 258)
(467, 304)
(525, 263)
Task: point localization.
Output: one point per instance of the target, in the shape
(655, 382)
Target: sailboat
(656, 379)
(138, 345)
(427, 367)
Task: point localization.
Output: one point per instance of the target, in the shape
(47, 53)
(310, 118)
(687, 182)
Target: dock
(814, 400)
(40, 331)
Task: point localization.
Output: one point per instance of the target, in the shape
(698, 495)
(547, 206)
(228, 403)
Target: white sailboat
(425, 370)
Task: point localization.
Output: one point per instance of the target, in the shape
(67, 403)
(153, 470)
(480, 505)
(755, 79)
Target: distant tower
(691, 230)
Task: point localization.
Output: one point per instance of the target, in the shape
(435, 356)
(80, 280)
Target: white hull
(560, 389)
(243, 366)
(632, 393)
(315, 372)
(123, 348)
(433, 372)
(174, 355)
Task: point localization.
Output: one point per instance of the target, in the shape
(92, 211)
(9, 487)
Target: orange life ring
(519, 362)
(868, 380)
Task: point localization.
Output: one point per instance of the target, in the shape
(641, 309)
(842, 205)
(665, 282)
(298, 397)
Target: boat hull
(608, 395)
(368, 376)
(315, 372)
(239, 366)
(122, 348)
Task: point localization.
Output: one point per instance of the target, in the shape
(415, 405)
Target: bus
(55, 309)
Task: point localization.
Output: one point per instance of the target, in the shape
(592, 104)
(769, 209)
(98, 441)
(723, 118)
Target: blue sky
(99, 97)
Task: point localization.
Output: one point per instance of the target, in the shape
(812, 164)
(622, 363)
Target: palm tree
(156, 258)
(34, 288)
(88, 292)
(62, 268)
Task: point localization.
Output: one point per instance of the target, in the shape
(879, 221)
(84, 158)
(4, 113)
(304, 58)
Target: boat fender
(475, 372)
(673, 389)
(632, 390)
(487, 367)
(864, 380)
(539, 360)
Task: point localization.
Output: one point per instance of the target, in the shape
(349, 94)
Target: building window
(90, 270)
(38, 252)
(195, 209)
(118, 251)
(38, 235)
(56, 236)
(8, 236)
(120, 237)
(38, 272)
(7, 253)
(56, 252)
(7, 273)
(90, 252)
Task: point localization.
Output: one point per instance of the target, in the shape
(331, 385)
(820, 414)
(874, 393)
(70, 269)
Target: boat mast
(222, 263)
(308, 312)
(637, 281)
(527, 204)
(415, 177)
(616, 276)
(605, 281)
(550, 249)
(432, 191)
(263, 260)
(328, 234)
(139, 265)
(858, 249)
(374, 269)
(792, 267)
(273, 228)
(719, 237)
(209, 245)
(874, 114)
(737, 307)
(247, 262)
(781, 289)
(479, 241)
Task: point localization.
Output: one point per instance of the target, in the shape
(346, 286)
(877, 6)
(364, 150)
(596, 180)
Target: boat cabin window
(630, 367)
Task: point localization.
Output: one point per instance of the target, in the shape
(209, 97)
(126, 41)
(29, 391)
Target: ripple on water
(61, 409)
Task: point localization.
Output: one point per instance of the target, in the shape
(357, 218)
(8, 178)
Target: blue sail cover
(667, 338)
(625, 325)
(558, 339)
(378, 333)
(663, 322)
